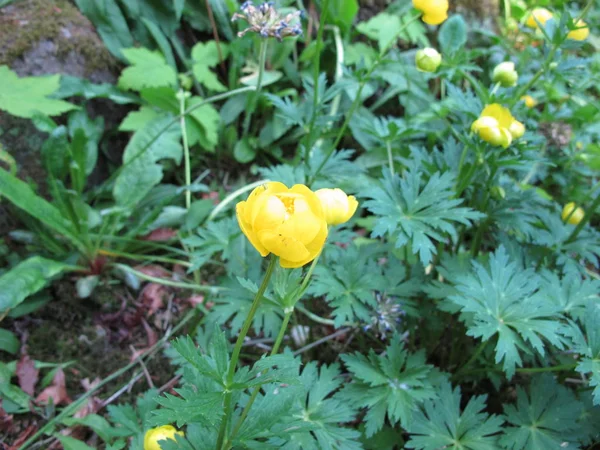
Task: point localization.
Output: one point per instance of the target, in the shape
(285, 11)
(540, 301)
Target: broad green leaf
(382, 28)
(206, 56)
(25, 97)
(204, 125)
(109, 22)
(8, 341)
(70, 443)
(453, 34)
(23, 197)
(141, 171)
(342, 13)
(27, 278)
(99, 424)
(148, 69)
(136, 120)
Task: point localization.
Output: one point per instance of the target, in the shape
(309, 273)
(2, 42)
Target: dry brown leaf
(57, 391)
(25, 434)
(150, 333)
(94, 404)
(160, 234)
(154, 270)
(27, 374)
(152, 296)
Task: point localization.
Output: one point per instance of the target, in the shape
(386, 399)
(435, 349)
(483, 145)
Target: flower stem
(390, 157)
(254, 100)
(238, 347)
(186, 150)
(472, 359)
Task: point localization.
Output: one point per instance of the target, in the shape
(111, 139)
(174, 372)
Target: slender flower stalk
(238, 347)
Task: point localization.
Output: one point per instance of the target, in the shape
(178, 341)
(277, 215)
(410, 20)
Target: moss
(25, 23)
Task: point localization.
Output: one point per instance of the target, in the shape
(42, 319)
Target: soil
(99, 335)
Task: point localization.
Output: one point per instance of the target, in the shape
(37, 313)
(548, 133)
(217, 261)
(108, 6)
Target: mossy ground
(25, 23)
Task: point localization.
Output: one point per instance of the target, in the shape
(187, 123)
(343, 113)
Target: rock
(39, 37)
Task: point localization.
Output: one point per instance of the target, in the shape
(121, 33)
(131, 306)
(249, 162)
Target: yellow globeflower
(576, 216)
(290, 223)
(434, 11)
(496, 126)
(581, 33)
(529, 101)
(337, 206)
(541, 14)
(163, 433)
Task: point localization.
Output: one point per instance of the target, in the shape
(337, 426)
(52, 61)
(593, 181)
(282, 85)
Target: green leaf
(502, 301)
(23, 197)
(587, 344)
(342, 13)
(348, 285)
(453, 34)
(441, 424)
(140, 171)
(97, 423)
(70, 443)
(190, 405)
(382, 28)
(322, 412)
(125, 417)
(205, 55)
(243, 151)
(109, 22)
(137, 120)
(546, 419)
(148, 69)
(414, 214)
(204, 125)
(26, 279)
(26, 97)
(393, 384)
(8, 341)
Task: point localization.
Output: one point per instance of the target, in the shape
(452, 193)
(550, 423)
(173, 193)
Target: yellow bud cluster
(497, 126)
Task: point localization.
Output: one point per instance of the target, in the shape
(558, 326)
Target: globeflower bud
(576, 214)
(505, 74)
(581, 33)
(542, 15)
(517, 129)
(428, 59)
(434, 11)
(288, 222)
(163, 433)
(337, 206)
(529, 101)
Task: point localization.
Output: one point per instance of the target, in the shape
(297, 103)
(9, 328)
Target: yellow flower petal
(500, 113)
(582, 33)
(541, 14)
(286, 247)
(240, 211)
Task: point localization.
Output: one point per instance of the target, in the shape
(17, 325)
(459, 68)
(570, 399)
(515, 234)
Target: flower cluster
(154, 435)
(292, 222)
(267, 21)
(497, 126)
(434, 11)
(539, 16)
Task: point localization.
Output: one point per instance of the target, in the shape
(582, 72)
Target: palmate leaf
(417, 214)
(214, 237)
(148, 69)
(571, 292)
(205, 55)
(586, 342)
(348, 285)
(392, 384)
(321, 413)
(24, 97)
(441, 424)
(235, 304)
(546, 419)
(503, 301)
